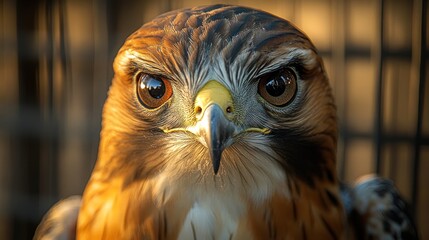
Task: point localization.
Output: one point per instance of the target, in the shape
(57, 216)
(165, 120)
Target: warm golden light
(55, 72)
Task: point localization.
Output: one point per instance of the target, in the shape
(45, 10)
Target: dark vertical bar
(53, 10)
(113, 10)
(169, 5)
(422, 83)
(379, 92)
(59, 114)
(65, 64)
(52, 139)
(26, 163)
(393, 170)
(343, 123)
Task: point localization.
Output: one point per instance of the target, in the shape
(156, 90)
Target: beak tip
(216, 162)
(215, 169)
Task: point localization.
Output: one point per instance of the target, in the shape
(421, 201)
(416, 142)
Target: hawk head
(220, 93)
(218, 100)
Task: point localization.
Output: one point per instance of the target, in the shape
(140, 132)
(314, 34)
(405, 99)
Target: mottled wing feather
(377, 211)
(60, 221)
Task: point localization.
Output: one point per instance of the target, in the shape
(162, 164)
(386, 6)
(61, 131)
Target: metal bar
(379, 94)
(26, 157)
(421, 7)
(64, 60)
(340, 55)
(396, 91)
(50, 145)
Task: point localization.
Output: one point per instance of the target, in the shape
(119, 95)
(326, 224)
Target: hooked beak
(217, 132)
(214, 110)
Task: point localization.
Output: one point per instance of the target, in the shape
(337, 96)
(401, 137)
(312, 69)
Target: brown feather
(319, 221)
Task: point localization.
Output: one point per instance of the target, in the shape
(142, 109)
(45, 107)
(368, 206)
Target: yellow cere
(214, 93)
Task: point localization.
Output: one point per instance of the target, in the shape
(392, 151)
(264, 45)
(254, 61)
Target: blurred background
(56, 67)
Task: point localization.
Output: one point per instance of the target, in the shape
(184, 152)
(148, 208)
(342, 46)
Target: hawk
(220, 124)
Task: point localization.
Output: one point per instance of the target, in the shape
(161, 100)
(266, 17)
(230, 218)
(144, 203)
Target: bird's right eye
(153, 91)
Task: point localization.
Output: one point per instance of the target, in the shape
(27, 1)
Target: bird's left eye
(279, 87)
(153, 91)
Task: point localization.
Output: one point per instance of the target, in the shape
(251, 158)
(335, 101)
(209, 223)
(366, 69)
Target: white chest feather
(212, 218)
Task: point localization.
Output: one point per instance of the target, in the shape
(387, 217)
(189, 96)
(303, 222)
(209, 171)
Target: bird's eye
(279, 87)
(153, 91)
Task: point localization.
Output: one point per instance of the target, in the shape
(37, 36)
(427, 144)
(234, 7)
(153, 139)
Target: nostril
(198, 110)
(229, 109)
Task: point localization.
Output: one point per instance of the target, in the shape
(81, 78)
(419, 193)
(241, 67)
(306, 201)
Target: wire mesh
(56, 58)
